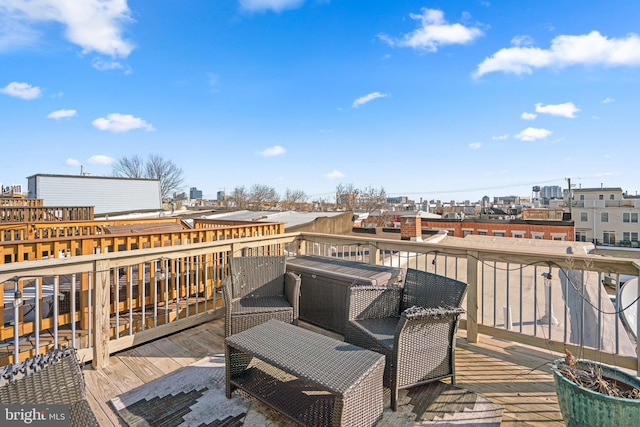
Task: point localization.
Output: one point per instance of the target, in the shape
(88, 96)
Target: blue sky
(432, 99)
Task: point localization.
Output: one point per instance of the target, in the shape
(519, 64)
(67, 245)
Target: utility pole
(569, 196)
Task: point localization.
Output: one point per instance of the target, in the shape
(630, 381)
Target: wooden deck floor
(503, 372)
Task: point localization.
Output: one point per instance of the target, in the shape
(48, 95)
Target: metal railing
(109, 301)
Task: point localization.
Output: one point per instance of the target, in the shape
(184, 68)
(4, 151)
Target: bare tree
(346, 195)
(261, 194)
(130, 167)
(166, 171)
(156, 167)
(370, 198)
(240, 197)
(293, 197)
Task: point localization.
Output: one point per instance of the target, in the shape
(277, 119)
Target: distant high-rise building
(195, 194)
(551, 192)
(220, 196)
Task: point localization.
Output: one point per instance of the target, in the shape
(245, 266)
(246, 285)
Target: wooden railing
(19, 201)
(79, 244)
(48, 230)
(139, 295)
(45, 213)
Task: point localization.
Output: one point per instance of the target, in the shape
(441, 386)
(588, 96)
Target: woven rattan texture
(414, 326)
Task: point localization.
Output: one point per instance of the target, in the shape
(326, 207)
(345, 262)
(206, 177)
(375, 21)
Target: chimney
(411, 228)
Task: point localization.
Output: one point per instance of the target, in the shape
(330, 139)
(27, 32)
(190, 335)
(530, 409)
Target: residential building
(606, 216)
(105, 193)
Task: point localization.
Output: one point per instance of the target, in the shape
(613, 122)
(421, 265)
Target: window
(466, 232)
(582, 197)
(581, 236)
(498, 233)
(601, 197)
(630, 236)
(537, 235)
(608, 238)
(604, 216)
(517, 234)
(584, 217)
(611, 197)
(482, 232)
(630, 217)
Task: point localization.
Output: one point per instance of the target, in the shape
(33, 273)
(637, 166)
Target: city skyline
(429, 100)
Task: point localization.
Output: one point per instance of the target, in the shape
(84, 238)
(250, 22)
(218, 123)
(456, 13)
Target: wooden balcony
(137, 314)
(515, 376)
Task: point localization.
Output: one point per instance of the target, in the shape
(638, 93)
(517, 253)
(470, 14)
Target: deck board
(503, 372)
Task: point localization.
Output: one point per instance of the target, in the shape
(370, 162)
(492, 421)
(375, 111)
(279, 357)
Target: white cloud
(475, 145)
(61, 114)
(565, 51)
(522, 41)
(276, 150)
(529, 116)
(116, 122)
(568, 109)
(531, 134)
(275, 5)
(21, 90)
(367, 98)
(101, 159)
(334, 174)
(500, 137)
(608, 100)
(102, 65)
(72, 162)
(94, 25)
(433, 32)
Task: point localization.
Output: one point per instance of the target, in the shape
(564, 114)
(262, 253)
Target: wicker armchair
(258, 289)
(414, 326)
(54, 378)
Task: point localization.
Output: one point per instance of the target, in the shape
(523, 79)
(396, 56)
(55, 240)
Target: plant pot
(583, 407)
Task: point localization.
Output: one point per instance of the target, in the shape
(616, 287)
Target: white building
(606, 216)
(105, 194)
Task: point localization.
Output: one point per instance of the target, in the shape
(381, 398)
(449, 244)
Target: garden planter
(583, 407)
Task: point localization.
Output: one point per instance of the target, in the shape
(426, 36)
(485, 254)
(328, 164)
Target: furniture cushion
(260, 305)
(381, 330)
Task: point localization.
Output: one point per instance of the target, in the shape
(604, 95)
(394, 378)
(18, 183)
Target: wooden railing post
(302, 248)
(374, 254)
(101, 315)
(472, 296)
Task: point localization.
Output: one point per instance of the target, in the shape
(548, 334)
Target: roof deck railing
(106, 302)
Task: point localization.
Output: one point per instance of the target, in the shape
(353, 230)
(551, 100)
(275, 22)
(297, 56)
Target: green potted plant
(594, 394)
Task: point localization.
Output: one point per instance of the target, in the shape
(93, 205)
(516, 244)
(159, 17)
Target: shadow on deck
(503, 373)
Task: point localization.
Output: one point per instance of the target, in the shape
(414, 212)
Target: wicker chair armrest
(373, 302)
(292, 283)
(418, 313)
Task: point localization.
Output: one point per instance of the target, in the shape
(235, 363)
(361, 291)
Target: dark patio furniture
(259, 289)
(325, 282)
(54, 378)
(414, 326)
(311, 378)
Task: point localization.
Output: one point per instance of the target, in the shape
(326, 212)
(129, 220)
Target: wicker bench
(311, 378)
(54, 378)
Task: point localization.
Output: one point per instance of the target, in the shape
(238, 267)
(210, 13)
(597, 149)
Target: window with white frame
(608, 238)
(604, 216)
(630, 236)
(601, 197)
(482, 232)
(584, 216)
(499, 233)
(467, 232)
(630, 217)
(581, 235)
(611, 197)
(518, 234)
(558, 236)
(539, 235)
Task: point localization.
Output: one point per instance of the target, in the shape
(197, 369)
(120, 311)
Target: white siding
(105, 194)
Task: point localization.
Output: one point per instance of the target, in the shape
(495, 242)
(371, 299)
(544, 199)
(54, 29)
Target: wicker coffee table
(311, 378)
